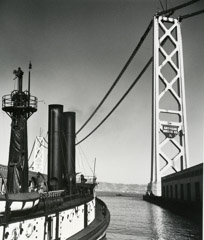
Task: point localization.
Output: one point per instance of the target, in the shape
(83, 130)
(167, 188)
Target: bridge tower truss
(39, 155)
(169, 125)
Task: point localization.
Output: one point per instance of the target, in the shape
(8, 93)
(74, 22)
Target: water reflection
(167, 225)
(134, 219)
(157, 226)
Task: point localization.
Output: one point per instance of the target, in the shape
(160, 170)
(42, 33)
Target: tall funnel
(69, 149)
(55, 139)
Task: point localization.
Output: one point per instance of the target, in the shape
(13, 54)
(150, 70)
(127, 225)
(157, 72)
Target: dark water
(133, 218)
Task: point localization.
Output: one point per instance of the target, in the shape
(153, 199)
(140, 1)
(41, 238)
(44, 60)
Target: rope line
(31, 151)
(80, 154)
(120, 74)
(80, 148)
(123, 97)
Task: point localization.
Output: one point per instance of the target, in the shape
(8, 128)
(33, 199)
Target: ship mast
(19, 105)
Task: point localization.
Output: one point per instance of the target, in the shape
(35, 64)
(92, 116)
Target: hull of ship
(76, 219)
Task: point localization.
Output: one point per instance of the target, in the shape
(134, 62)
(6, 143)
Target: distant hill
(123, 188)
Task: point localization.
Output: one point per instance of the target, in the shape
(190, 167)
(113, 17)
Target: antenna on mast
(94, 172)
(30, 67)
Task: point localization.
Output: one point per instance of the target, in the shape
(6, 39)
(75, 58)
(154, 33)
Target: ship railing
(56, 199)
(85, 179)
(61, 193)
(26, 100)
(52, 194)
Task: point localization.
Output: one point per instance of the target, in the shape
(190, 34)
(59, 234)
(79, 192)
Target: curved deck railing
(19, 100)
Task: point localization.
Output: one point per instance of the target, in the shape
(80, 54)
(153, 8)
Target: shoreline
(119, 194)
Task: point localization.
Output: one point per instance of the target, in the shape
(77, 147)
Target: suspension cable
(161, 4)
(123, 97)
(191, 14)
(120, 74)
(177, 7)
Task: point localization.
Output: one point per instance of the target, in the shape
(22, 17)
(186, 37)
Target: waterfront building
(186, 185)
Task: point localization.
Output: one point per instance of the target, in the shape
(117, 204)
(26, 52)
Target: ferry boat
(53, 206)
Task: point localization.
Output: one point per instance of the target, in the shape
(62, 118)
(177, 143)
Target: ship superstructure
(53, 206)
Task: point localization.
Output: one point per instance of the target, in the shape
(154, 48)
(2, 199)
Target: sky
(77, 49)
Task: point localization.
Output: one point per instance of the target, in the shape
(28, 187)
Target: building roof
(196, 170)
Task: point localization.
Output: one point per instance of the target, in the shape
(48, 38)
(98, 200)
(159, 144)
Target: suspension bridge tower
(39, 163)
(169, 125)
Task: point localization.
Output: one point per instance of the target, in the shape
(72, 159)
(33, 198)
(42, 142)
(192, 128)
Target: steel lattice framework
(39, 155)
(169, 130)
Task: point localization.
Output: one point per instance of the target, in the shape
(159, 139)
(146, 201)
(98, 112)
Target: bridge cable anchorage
(172, 10)
(120, 74)
(123, 97)
(190, 15)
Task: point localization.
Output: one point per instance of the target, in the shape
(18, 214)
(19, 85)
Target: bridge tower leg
(169, 127)
(39, 156)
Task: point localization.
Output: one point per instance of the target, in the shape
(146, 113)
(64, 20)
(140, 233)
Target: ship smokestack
(55, 137)
(69, 149)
